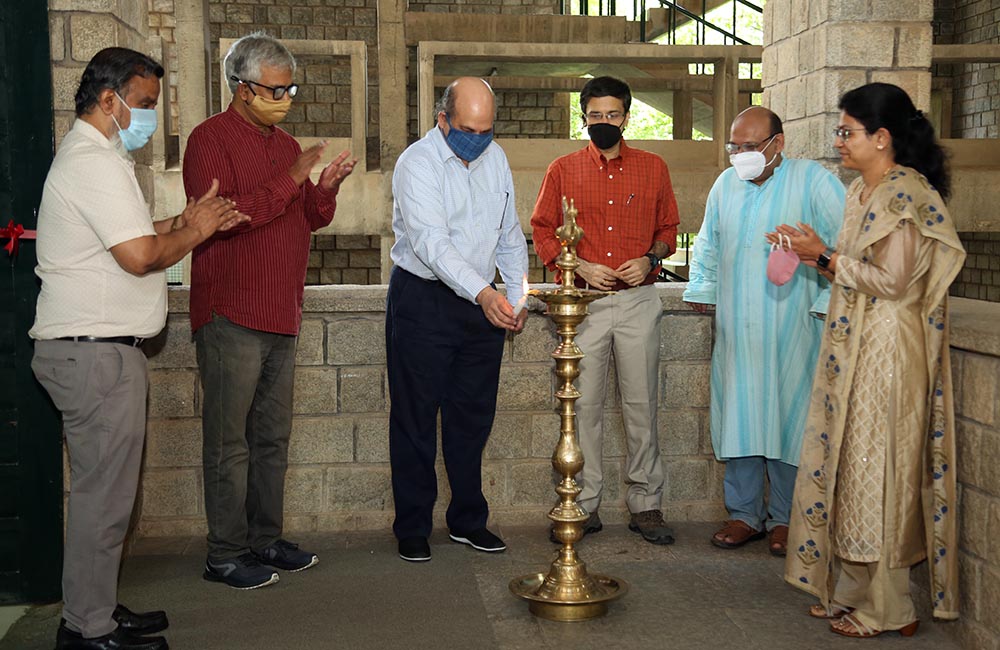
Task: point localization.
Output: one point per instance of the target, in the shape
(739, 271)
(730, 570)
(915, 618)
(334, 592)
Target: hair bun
(919, 115)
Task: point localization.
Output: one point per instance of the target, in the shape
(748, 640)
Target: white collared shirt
(91, 203)
(454, 223)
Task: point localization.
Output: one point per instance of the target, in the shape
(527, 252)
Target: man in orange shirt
(629, 217)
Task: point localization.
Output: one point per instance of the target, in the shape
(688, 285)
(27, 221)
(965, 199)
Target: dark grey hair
(446, 104)
(246, 56)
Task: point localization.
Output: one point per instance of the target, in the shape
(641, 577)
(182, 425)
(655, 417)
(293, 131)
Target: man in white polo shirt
(101, 260)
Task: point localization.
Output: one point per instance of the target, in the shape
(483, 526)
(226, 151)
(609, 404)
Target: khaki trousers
(101, 390)
(879, 595)
(627, 324)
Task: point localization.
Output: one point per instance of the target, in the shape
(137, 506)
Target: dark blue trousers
(442, 355)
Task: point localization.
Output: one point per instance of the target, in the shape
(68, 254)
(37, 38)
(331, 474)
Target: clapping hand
(335, 173)
(211, 213)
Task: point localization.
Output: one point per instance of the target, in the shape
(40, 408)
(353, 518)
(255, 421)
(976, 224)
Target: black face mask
(604, 135)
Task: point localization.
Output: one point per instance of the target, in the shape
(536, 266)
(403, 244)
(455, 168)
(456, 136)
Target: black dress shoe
(140, 623)
(120, 639)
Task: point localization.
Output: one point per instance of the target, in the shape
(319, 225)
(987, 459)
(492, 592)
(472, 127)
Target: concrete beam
(507, 28)
(194, 84)
(979, 53)
(392, 81)
(574, 84)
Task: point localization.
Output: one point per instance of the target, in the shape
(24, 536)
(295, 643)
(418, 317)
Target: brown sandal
(779, 541)
(738, 532)
(849, 625)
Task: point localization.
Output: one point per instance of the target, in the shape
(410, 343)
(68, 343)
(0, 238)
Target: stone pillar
(815, 50)
(194, 87)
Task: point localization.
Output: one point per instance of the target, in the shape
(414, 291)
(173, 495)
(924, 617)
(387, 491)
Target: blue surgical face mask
(467, 146)
(140, 129)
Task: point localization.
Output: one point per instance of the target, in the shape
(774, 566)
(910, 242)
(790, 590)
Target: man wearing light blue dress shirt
(455, 225)
(766, 340)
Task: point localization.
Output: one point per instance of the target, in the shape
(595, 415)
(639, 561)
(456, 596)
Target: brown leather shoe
(778, 543)
(735, 533)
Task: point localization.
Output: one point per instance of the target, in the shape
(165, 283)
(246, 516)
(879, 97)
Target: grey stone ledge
(371, 298)
(975, 325)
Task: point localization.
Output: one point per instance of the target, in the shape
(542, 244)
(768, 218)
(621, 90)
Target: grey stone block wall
(339, 476)
(977, 410)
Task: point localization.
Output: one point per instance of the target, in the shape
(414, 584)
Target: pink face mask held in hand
(781, 262)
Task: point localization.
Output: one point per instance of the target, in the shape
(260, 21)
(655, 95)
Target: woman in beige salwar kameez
(875, 492)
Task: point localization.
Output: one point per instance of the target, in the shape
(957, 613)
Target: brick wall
(975, 87)
(344, 259)
(980, 278)
(338, 476)
(519, 114)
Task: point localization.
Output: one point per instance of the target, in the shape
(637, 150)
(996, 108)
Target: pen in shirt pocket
(629, 199)
(506, 198)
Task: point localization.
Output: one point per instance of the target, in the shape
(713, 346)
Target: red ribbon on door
(15, 232)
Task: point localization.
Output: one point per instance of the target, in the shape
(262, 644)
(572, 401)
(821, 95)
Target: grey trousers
(247, 377)
(627, 323)
(101, 390)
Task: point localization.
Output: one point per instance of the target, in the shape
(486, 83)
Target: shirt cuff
(703, 295)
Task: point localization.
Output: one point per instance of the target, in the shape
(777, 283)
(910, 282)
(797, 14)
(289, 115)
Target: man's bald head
(758, 119)
(469, 104)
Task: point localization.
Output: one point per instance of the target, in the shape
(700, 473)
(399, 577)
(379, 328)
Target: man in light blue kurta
(766, 340)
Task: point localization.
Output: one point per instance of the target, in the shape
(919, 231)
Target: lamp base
(581, 608)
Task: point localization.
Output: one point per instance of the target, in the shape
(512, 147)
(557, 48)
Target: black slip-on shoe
(414, 549)
(481, 540)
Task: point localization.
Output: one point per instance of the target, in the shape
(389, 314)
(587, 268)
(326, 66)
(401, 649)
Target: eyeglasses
(596, 116)
(733, 148)
(844, 133)
(277, 91)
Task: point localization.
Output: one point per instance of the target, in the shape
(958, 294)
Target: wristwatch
(823, 261)
(654, 261)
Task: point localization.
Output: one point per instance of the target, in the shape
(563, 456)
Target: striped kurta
(766, 340)
(254, 275)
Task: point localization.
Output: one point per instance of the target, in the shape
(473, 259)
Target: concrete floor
(361, 596)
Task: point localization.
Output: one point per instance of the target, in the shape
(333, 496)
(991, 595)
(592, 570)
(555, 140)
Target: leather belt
(131, 341)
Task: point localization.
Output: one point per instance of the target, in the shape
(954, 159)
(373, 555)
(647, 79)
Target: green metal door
(30, 431)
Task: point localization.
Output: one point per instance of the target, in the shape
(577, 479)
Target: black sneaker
(243, 572)
(140, 623)
(592, 525)
(650, 524)
(481, 540)
(119, 639)
(286, 556)
(414, 549)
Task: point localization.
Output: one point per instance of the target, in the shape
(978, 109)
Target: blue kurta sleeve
(705, 258)
(827, 207)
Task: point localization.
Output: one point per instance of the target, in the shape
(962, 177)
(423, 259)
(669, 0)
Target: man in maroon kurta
(246, 307)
